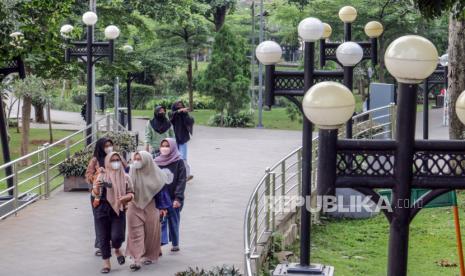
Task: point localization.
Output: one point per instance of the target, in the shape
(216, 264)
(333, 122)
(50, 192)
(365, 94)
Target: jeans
(110, 228)
(183, 150)
(170, 227)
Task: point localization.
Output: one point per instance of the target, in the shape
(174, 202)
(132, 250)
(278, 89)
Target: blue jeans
(170, 227)
(183, 150)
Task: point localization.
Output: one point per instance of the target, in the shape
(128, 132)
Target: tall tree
(218, 9)
(227, 76)
(456, 50)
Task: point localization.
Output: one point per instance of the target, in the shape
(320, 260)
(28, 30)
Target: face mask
(137, 165)
(165, 151)
(116, 165)
(108, 150)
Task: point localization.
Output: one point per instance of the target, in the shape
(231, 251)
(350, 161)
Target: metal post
(392, 115)
(446, 76)
(283, 178)
(90, 100)
(128, 94)
(348, 81)
(322, 52)
(252, 57)
(116, 102)
(273, 196)
(347, 32)
(267, 197)
(425, 109)
(326, 178)
(374, 51)
(305, 226)
(15, 186)
(269, 85)
(260, 72)
(405, 136)
(108, 119)
(47, 170)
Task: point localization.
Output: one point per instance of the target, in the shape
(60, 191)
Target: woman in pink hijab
(114, 188)
(170, 159)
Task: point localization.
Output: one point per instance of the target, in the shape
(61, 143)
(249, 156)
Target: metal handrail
(267, 184)
(44, 170)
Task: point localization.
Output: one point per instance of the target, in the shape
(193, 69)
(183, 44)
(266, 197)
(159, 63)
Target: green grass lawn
(359, 247)
(37, 138)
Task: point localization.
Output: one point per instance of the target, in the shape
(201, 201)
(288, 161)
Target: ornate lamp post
(348, 54)
(401, 164)
(90, 52)
(293, 85)
(439, 76)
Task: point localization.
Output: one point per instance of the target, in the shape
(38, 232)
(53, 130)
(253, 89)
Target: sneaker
(175, 249)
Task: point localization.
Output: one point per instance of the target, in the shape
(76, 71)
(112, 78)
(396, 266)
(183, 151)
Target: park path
(55, 236)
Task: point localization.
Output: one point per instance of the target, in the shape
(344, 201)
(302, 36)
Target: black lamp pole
(14, 66)
(90, 52)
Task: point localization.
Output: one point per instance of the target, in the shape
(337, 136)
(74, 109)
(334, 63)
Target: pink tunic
(144, 233)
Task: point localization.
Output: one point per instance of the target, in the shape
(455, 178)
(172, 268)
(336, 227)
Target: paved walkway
(55, 236)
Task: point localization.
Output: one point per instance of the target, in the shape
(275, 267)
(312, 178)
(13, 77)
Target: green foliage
(32, 86)
(216, 271)
(79, 99)
(77, 164)
(200, 101)
(242, 119)
(226, 79)
(140, 95)
(433, 9)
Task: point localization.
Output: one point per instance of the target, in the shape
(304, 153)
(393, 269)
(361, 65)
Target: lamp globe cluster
(328, 104)
(348, 14)
(90, 19)
(460, 107)
(411, 58)
(310, 29)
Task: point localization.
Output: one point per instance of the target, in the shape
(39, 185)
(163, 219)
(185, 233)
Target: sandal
(134, 267)
(121, 260)
(98, 253)
(148, 262)
(105, 270)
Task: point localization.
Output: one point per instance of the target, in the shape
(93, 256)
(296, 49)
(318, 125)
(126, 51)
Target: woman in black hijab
(183, 125)
(156, 130)
(103, 146)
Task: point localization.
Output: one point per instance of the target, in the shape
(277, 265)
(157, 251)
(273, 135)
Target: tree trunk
(189, 78)
(456, 73)
(39, 113)
(219, 17)
(49, 118)
(25, 123)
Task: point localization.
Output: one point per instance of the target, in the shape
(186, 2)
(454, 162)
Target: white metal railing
(36, 174)
(285, 177)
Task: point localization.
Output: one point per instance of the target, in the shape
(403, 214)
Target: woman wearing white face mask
(103, 146)
(170, 159)
(114, 188)
(145, 210)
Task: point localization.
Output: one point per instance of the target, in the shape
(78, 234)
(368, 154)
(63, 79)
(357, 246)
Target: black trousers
(110, 228)
(96, 244)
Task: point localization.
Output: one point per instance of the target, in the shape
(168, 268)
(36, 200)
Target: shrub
(65, 104)
(216, 271)
(140, 95)
(241, 119)
(200, 101)
(76, 165)
(79, 99)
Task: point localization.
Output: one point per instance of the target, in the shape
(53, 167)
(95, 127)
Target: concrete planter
(75, 183)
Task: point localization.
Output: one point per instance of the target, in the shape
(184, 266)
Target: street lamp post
(14, 66)
(439, 76)
(348, 54)
(90, 52)
(293, 85)
(401, 164)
